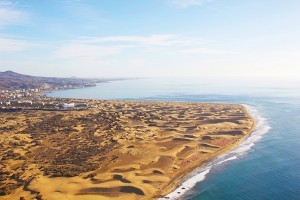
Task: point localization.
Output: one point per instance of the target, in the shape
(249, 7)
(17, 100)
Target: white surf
(262, 127)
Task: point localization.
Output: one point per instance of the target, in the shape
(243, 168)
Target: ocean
(265, 166)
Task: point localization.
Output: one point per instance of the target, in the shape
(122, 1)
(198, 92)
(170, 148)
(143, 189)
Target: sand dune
(121, 150)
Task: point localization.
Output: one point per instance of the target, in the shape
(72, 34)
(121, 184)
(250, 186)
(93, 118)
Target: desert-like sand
(120, 150)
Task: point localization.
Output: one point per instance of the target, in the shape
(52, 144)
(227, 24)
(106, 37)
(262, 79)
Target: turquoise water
(265, 166)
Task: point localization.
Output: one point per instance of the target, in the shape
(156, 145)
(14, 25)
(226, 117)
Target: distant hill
(13, 80)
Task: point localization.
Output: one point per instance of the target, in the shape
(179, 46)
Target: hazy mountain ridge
(12, 80)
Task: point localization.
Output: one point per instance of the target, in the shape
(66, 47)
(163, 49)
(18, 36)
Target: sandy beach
(120, 150)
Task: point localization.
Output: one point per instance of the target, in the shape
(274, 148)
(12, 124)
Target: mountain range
(11, 80)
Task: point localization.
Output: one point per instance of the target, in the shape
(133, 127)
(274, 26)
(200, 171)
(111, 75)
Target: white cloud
(79, 49)
(203, 51)
(84, 10)
(187, 3)
(9, 15)
(152, 40)
(11, 45)
(106, 46)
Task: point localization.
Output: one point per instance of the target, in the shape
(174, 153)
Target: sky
(148, 38)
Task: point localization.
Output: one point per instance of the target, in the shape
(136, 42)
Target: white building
(68, 105)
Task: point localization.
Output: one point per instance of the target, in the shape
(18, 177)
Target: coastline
(182, 184)
(45, 92)
(231, 179)
(177, 181)
(201, 161)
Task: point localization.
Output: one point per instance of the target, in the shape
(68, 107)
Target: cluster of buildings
(8, 105)
(70, 106)
(14, 94)
(33, 92)
(30, 99)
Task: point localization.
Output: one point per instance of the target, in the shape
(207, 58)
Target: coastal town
(30, 99)
(27, 97)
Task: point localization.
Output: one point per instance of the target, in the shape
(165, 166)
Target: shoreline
(179, 188)
(44, 93)
(201, 162)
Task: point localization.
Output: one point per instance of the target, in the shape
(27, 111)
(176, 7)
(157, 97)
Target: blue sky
(142, 38)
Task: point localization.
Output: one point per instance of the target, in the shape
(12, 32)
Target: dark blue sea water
(265, 166)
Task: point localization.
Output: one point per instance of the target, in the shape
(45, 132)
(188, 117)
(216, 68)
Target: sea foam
(262, 127)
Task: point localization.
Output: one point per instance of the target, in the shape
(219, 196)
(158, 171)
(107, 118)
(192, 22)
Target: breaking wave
(262, 127)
